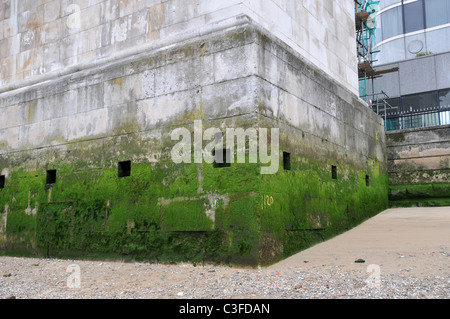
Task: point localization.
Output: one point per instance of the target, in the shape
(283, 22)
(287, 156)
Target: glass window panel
(436, 12)
(414, 17)
(445, 118)
(378, 30)
(393, 107)
(392, 22)
(393, 124)
(416, 121)
(444, 99)
(431, 119)
(424, 102)
(406, 122)
(448, 11)
(387, 3)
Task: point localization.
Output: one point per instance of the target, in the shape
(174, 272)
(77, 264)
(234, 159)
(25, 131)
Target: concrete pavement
(413, 239)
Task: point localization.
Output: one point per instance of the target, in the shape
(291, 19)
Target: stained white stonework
(41, 39)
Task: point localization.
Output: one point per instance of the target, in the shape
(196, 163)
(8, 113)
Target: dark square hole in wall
(2, 181)
(51, 177)
(367, 181)
(287, 161)
(221, 158)
(124, 169)
(333, 172)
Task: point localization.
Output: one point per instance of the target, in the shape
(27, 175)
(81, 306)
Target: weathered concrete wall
(82, 124)
(41, 39)
(419, 166)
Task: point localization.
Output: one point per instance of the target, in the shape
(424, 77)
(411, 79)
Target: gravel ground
(399, 254)
(27, 278)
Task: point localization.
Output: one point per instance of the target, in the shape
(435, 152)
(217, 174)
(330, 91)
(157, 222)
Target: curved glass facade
(414, 35)
(400, 17)
(437, 12)
(392, 23)
(410, 28)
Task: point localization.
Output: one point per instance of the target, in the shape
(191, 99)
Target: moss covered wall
(83, 125)
(159, 214)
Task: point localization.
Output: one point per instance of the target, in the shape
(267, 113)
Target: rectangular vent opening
(124, 169)
(221, 158)
(333, 172)
(287, 161)
(51, 177)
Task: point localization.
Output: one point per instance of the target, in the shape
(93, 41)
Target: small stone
(11, 297)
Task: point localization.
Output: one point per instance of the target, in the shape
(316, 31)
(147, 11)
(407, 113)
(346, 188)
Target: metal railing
(417, 120)
(395, 118)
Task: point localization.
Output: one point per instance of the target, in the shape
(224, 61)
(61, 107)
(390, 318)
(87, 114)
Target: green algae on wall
(419, 167)
(94, 212)
(156, 214)
(419, 195)
(303, 206)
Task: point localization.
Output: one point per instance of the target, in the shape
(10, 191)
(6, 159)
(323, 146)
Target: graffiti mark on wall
(267, 201)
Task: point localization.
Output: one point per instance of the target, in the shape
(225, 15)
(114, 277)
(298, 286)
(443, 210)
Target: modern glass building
(413, 35)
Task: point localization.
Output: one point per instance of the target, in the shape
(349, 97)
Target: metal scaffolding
(366, 24)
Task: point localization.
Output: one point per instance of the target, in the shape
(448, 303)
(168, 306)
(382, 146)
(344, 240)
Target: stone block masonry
(40, 39)
(86, 156)
(419, 166)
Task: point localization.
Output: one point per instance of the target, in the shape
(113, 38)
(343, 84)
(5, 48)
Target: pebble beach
(399, 254)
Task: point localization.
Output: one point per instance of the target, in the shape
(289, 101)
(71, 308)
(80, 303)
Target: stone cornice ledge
(157, 45)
